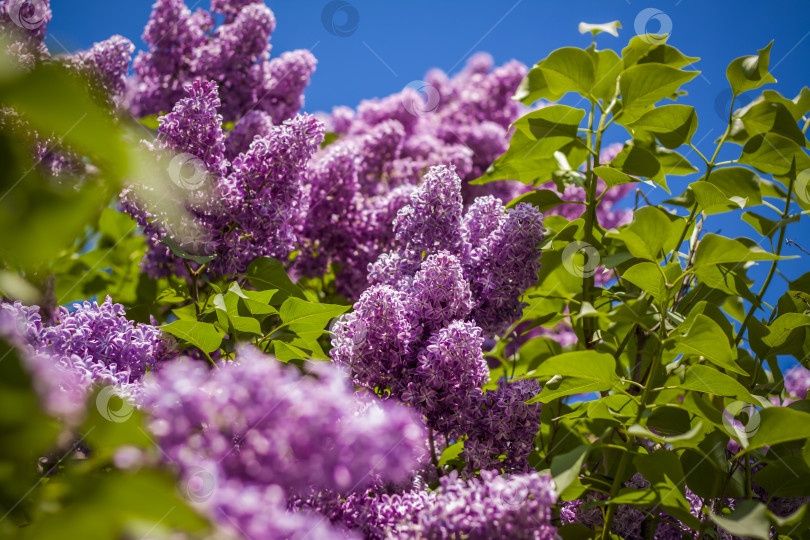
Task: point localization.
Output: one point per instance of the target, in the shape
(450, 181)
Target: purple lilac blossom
(397, 139)
(24, 24)
(242, 209)
(185, 46)
(492, 506)
(265, 424)
(93, 344)
(797, 381)
(489, 506)
(260, 432)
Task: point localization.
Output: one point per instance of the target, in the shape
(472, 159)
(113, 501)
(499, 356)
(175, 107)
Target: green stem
(617, 480)
(772, 270)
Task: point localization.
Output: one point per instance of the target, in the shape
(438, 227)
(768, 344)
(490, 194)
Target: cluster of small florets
(463, 122)
(496, 248)
(185, 46)
(24, 25)
(260, 427)
(238, 210)
(488, 506)
(91, 344)
(414, 334)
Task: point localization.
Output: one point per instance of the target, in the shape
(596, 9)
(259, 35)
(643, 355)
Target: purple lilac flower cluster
(256, 432)
(24, 25)
(92, 344)
(797, 381)
(238, 210)
(415, 333)
(186, 47)
(488, 506)
(387, 145)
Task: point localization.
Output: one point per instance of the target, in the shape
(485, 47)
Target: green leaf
(587, 364)
(550, 128)
(286, 352)
(608, 68)
(543, 199)
(710, 381)
(779, 425)
(302, 315)
(650, 277)
(613, 177)
(112, 504)
(534, 87)
(737, 181)
(568, 69)
(611, 28)
(714, 249)
(636, 161)
(26, 432)
(567, 386)
(772, 117)
(265, 273)
(642, 49)
(780, 330)
(565, 468)
(768, 227)
(650, 234)
(643, 85)
(672, 125)
(772, 153)
(450, 453)
(703, 340)
(750, 72)
(183, 254)
(54, 101)
(202, 335)
(748, 520)
(713, 201)
(230, 305)
(690, 439)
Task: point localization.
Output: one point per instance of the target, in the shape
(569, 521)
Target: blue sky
(396, 42)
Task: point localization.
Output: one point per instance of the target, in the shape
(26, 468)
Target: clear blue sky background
(396, 42)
